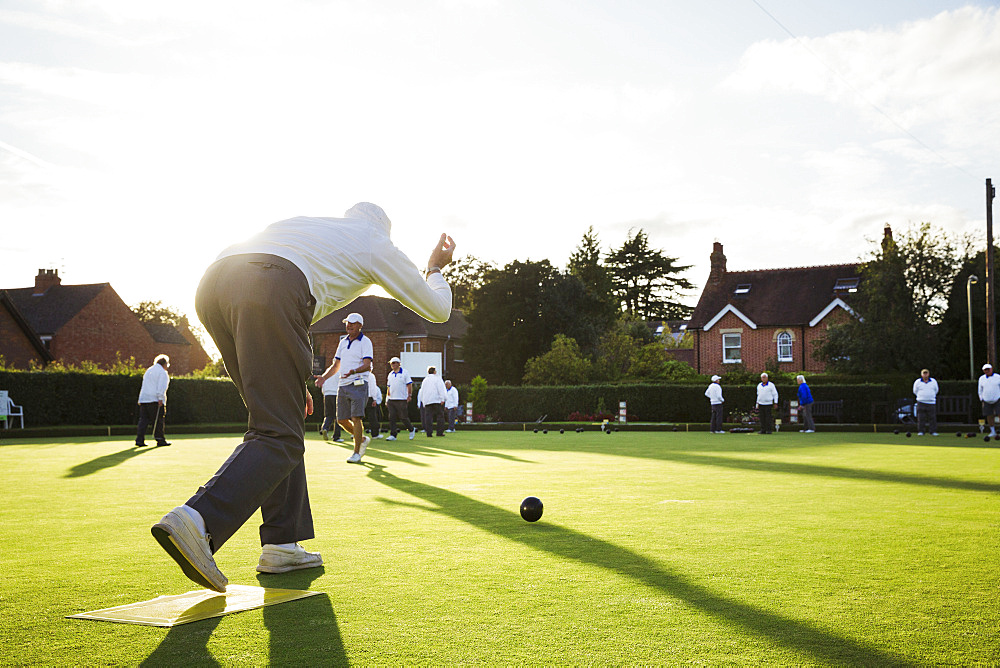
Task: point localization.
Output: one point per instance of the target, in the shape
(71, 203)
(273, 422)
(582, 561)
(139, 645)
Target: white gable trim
(829, 307)
(729, 309)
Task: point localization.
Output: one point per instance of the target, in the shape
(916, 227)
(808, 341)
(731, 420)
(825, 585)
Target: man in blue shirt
(805, 405)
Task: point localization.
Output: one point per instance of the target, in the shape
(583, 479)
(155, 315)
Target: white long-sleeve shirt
(154, 385)
(766, 394)
(433, 389)
(451, 398)
(926, 393)
(342, 257)
(373, 390)
(714, 394)
(989, 388)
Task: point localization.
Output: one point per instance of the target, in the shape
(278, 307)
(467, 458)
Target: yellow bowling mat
(194, 606)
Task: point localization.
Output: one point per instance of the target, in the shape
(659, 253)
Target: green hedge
(663, 403)
(51, 399)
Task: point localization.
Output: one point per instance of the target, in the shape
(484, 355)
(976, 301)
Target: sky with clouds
(139, 139)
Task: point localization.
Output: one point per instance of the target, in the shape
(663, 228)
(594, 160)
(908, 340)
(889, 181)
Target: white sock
(286, 546)
(196, 518)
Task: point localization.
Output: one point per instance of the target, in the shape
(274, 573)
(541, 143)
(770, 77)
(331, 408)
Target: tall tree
(889, 334)
(585, 264)
(646, 281)
(507, 323)
(518, 310)
(932, 257)
(464, 276)
(157, 312)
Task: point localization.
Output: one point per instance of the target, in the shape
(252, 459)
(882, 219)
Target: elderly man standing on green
(257, 301)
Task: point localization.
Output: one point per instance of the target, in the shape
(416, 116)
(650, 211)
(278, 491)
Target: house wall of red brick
(102, 328)
(387, 345)
(15, 346)
(760, 346)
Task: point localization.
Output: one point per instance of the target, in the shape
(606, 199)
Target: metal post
(991, 322)
(973, 279)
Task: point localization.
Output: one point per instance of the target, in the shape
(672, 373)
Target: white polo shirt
(451, 398)
(351, 355)
(714, 394)
(989, 388)
(396, 383)
(342, 257)
(926, 393)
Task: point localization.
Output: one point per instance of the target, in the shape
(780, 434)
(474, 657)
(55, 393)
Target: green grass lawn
(655, 548)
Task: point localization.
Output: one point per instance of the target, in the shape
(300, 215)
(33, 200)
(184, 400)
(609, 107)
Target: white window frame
(784, 340)
(411, 346)
(738, 347)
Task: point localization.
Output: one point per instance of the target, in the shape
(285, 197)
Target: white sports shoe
(390, 438)
(449, 431)
(809, 431)
(364, 446)
(413, 432)
(380, 436)
(280, 559)
(354, 458)
(180, 536)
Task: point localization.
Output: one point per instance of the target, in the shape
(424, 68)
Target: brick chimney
(887, 241)
(718, 260)
(45, 279)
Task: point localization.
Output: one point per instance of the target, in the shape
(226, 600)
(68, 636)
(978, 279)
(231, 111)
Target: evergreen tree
(646, 281)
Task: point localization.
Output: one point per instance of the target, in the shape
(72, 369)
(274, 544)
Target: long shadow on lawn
(185, 645)
(568, 544)
(104, 462)
(678, 455)
(303, 632)
(832, 472)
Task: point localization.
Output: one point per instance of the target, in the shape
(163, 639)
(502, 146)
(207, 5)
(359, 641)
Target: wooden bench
(960, 408)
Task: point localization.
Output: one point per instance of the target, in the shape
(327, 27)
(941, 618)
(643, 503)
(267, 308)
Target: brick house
(397, 331)
(77, 323)
(20, 346)
(766, 315)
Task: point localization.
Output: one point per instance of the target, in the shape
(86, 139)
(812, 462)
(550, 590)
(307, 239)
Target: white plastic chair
(10, 410)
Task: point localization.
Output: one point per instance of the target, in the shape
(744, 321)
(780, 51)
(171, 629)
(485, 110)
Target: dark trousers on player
(452, 417)
(716, 424)
(434, 413)
(766, 418)
(926, 418)
(154, 413)
(330, 415)
(257, 308)
(373, 416)
(398, 411)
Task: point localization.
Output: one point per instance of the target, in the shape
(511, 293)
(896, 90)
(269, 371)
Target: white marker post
(621, 412)
(468, 412)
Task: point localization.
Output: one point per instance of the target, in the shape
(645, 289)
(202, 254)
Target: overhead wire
(861, 95)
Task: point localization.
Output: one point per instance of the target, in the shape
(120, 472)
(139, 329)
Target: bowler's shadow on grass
(185, 645)
(302, 632)
(104, 462)
(796, 635)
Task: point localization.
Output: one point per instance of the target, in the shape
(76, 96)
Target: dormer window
(846, 285)
(742, 289)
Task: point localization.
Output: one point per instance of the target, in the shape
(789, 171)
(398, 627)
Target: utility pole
(991, 318)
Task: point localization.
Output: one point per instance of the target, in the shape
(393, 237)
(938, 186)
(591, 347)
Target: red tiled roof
(777, 297)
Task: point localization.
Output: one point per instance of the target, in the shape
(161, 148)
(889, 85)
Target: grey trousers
(806, 410)
(257, 308)
(926, 417)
